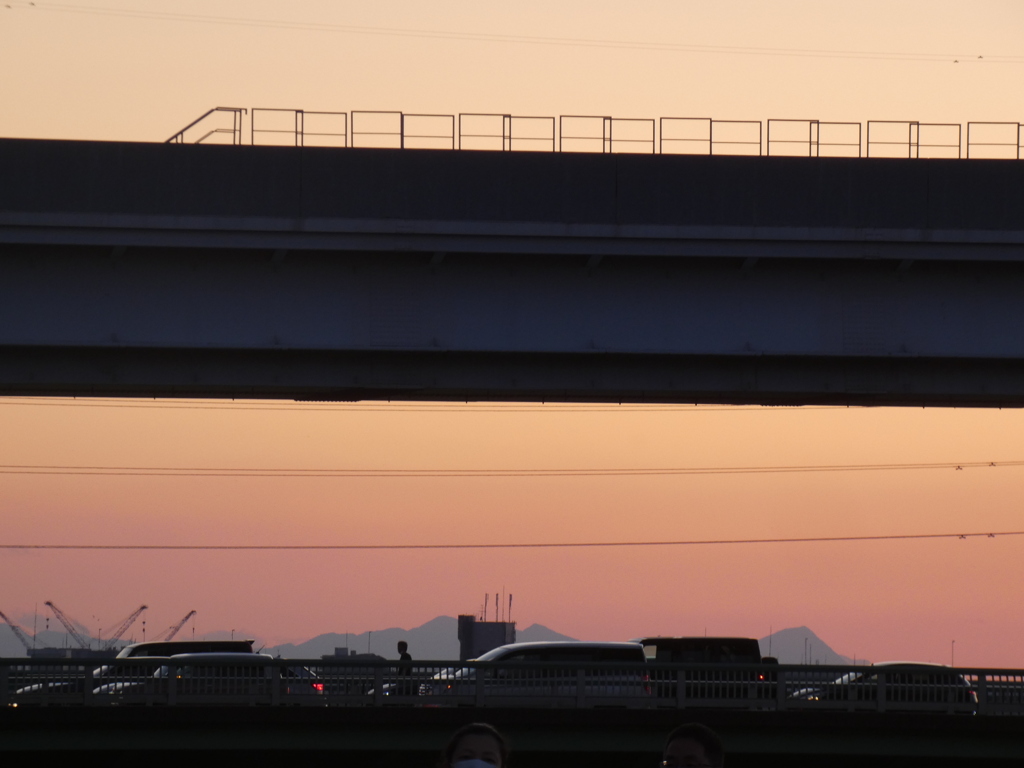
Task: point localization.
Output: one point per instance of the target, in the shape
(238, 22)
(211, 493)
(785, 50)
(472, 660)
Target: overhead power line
(533, 545)
(575, 42)
(126, 471)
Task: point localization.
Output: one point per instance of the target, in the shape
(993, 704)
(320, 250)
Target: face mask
(474, 763)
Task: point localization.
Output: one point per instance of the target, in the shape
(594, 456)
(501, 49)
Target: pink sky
(96, 75)
(880, 600)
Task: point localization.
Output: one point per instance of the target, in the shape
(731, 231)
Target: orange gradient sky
(122, 70)
(894, 599)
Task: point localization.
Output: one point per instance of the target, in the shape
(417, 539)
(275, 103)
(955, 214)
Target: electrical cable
(511, 39)
(266, 472)
(533, 545)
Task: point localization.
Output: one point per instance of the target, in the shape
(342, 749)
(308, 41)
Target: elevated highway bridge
(344, 274)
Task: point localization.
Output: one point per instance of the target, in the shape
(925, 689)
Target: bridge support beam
(363, 274)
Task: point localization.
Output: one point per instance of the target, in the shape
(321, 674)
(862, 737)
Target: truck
(715, 671)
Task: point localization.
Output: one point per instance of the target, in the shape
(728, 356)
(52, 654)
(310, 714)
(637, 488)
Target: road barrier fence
(340, 682)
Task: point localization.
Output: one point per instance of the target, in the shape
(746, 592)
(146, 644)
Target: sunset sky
(139, 71)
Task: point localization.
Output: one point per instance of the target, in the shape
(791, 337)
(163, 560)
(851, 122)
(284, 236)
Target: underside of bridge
(345, 274)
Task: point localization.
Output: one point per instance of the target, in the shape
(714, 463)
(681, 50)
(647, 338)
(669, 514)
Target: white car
(74, 681)
(550, 669)
(203, 675)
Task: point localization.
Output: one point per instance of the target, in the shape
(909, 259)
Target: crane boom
(18, 632)
(68, 624)
(123, 627)
(172, 631)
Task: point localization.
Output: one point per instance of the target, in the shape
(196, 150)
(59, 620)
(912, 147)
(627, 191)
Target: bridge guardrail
(893, 143)
(761, 687)
(593, 133)
(679, 136)
(1002, 141)
(305, 129)
(401, 130)
(208, 126)
(907, 139)
(812, 138)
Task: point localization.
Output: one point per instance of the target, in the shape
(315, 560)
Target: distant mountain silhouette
(437, 639)
(536, 633)
(799, 645)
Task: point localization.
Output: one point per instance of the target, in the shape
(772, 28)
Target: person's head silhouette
(477, 745)
(692, 744)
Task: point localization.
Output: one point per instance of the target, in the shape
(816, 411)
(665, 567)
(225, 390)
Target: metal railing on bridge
(398, 130)
(588, 133)
(299, 128)
(705, 136)
(907, 139)
(813, 138)
(1002, 141)
(212, 127)
(754, 687)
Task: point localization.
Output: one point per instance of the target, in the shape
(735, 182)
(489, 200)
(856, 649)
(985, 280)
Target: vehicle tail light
(318, 687)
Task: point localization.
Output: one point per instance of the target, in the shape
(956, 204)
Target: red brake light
(318, 687)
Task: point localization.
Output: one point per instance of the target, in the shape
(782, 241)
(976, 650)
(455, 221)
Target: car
(209, 676)
(909, 686)
(71, 681)
(549, 670)
(729, 670)
(166, 649)
(703, 650)
(175, 647)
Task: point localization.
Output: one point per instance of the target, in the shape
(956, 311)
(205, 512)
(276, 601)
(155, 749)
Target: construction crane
(123, 627)
(170, 632)
(69, 625)
(18, 632)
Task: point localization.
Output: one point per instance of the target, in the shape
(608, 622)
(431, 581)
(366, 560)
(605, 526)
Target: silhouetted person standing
(405, 685)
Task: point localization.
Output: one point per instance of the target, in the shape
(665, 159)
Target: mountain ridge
(799, 645)
(437, 640)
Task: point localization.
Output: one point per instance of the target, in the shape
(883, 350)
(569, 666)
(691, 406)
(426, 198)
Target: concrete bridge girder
(605, 293)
